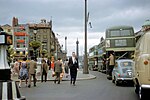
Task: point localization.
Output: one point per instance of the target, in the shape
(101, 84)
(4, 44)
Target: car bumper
(145, 86)
(124, 79)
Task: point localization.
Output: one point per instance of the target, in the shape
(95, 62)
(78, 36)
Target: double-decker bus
(101, 56)
(92, 58)
(121, 41)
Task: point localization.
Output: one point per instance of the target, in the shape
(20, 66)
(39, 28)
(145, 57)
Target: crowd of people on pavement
(26, 70)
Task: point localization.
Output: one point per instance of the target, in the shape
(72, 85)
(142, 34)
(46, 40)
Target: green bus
(92, 58)
(120, 40)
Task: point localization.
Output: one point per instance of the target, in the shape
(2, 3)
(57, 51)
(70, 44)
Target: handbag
(53, 73)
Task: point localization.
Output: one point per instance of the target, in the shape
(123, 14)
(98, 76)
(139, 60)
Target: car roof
(124, 60)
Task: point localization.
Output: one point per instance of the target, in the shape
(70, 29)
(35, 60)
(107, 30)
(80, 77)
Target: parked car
(122, 71)
(142, 66)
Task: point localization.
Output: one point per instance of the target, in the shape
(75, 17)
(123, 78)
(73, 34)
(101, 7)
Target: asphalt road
(95, 89)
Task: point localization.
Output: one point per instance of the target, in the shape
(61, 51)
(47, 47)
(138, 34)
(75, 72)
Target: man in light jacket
(57, 70)
(111, 63)
(32, 71)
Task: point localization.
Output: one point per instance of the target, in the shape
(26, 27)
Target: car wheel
(116, 82)
(141, 93)
(113, 79)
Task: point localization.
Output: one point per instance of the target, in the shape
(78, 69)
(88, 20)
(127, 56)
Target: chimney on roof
(43, 21)
(14, 21)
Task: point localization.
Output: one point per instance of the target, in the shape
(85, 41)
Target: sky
(68, 17)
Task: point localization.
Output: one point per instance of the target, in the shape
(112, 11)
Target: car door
(115, 70)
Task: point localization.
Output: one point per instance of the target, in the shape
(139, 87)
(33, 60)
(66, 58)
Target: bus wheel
(136, 88)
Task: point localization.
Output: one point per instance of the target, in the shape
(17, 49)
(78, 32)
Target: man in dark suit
(73, 65)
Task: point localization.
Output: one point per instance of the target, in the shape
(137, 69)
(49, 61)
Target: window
(44, 30)
(116, 64)
(31, 30)
(31, 37)
(125, 32)
(24, 45)
(38, 36)
(23, 52)
(115, 33)
(120, 32)
(44, 36)
(126, 64)
(107, 43)
(18, 37)
(120, 43)
(17, 52)
(44, 46)
(18, 45)
(9, 30)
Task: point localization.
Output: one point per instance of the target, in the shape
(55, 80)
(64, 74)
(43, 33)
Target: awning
(20, 34)
(21, 41)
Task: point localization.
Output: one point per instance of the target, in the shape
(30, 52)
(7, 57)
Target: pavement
(80, 76)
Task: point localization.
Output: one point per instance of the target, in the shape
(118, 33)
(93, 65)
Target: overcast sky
(68, 17)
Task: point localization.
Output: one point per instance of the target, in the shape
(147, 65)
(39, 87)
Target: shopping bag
(53, 74)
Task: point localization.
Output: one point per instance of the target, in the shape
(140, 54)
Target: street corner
(82, 76)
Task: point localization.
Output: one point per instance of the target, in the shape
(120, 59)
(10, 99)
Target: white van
(142, 66)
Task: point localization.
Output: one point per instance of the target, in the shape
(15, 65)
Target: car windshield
(126, 64)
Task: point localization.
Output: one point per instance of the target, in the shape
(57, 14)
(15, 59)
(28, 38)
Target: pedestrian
(32, 71)
(23, 74)
(66, 68)
(57, 70)
(16, 67)
(63, 70)
(111, 64)
(52, 66)
(44, 70)
(49, 63)
(73, 65)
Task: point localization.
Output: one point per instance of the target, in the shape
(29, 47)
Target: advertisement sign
(5, 39)
(2, 39)
(9, 40)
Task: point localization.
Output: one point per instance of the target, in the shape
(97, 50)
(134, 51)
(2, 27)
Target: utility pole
(85, 68)
(66, 44)
(35, 32)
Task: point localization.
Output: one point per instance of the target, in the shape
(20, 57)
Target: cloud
(68, 16)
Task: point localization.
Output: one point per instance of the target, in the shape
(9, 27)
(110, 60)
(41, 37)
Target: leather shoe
(29, 86)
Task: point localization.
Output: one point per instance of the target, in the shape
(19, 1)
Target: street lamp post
(35, 32)
(85, 68)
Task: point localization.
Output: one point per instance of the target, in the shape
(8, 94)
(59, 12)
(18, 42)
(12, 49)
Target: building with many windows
(20, 39)
(43, 33)
(24, 34)
(7, 28)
